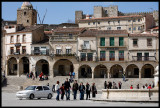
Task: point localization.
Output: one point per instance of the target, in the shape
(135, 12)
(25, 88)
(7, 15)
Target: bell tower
(26, 15)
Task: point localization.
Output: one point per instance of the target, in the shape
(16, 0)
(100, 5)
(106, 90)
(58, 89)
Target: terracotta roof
(113, 17)
(95, 32)
(48, 32)
(143, 34)
(156, 28)
(68, 30)
(30, 28)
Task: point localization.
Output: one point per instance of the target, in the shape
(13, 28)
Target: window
(18, 50)
(102, 55)
(98, 22)
(11, 40)
(149, 42)
(90, 56)
(121, 41)
(43, 50)
(129, 20)
(112, 55)
(139, 56)
(130, 29)
(23, 49)
(139, 28)
(70, 36)
(106, 12)
(134, 28)
(18, 38)
(24, 13)
(27, 21)
(121, 55)
(108, 22)
(45, 88)
(139, 20)
(93, 23)
(118, 21)
(111, 41)
(24, 38)
(88, 23)
(86, 45)
(109, 28)
(39, 88)
(102, 41)
(83, 56)
(68, 51)
(134, 20)
(135, 42)
(58, 51)
(146, 56)
(36, 50)
(118, 28)
(11, 50)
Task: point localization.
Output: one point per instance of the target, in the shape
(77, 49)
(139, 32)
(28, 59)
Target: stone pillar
(108, 74)
(92, 68)
(140, 73)
(76, 66)
(18, 68)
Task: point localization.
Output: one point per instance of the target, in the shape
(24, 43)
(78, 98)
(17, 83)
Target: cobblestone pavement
(9, 99)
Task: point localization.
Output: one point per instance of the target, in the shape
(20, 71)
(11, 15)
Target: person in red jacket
(149, 87)
(131, 87)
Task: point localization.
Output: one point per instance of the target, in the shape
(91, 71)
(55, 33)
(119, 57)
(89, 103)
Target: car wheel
(31, 96)
(49, 96)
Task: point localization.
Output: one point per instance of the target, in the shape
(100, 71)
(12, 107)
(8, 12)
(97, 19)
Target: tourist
(62, 91)
(131, 87)
(81, 89)
(47, 84)
(137, 86)
(75, 88)
(119, 84)
(67, 89)
(152, 84)
(73, 74)
(41, 76)
(146, 86)
(105, 85)
(27, 74)
(124, 77)
(110, 85)
(94, 90)
(36, 74)
(88, 89)
(149, 87)
(57, 88)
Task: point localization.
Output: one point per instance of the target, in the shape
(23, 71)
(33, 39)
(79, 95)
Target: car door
(39, 92)
(46, 91)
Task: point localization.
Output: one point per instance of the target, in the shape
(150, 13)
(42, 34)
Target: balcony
(64, 54)
(116, 44)
(143, 58)
(39, 52)
(85, 47)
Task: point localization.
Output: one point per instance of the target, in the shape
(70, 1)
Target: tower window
(27, 21)
(24, 13)
(106, 12)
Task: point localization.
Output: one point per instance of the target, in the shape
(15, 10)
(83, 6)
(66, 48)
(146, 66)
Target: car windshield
(30, 88)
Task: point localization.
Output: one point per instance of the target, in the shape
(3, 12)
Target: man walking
(88, 89)
(75, 88)
(67, 89)
(57, 88)
(81, 89)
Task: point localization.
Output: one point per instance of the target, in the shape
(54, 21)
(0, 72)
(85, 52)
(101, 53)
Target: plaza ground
(9, 99)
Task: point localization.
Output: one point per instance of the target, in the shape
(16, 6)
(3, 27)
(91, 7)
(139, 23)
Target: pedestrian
(67, 89)
(81, 89)
(57, 88)
(40, 76)
(94, 90)
(36, 74)
(88, 90)
(119, 84)
(152, 84)
(149, 87)
(70, 74)
(47, 84)
(62, 91)
(75, 88)
(105, 85)
(146, 86)
(137, 86)
(124, 77)
(131, 87)
(110, 85)
(73, 75)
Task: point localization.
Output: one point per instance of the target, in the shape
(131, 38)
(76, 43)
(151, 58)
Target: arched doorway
(24, 65)
(132, 71)
(100, 71)
(147, 71)
(12, 66)
(85, 71)
(116, 71)
(42, 66)
(63, 67)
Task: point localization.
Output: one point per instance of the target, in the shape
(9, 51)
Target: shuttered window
(121, 43)
(111, 41)
(102, 41)
(102, 55)
(112, 55)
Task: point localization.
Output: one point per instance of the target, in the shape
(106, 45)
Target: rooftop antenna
(38, 15)
(44, 16)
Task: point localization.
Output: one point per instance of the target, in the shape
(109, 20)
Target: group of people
(146, 86)
(110, 85)
(30, 75)
(41, 76)
(65, 90)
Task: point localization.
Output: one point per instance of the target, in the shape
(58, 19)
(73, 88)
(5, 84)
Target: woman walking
(62, 91)
(94, 90)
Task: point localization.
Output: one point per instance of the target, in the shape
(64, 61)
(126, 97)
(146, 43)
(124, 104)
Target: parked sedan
(34, 91)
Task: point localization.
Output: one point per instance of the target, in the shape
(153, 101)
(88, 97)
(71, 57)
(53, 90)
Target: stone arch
(100, 71)
(85, 71)
(12, 66)
(132, 71)
(42, 65)
(147, 71)
(63, 67)
(24, 65)
(116, 71)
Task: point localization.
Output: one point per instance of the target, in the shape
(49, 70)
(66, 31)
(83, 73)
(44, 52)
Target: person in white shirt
(57, 89)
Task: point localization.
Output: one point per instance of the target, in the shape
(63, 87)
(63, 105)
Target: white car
(35, 92)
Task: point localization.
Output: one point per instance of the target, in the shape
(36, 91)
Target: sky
(61, 12)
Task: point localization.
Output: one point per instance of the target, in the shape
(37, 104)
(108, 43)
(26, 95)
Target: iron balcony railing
(143, 58)
(39, 52)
